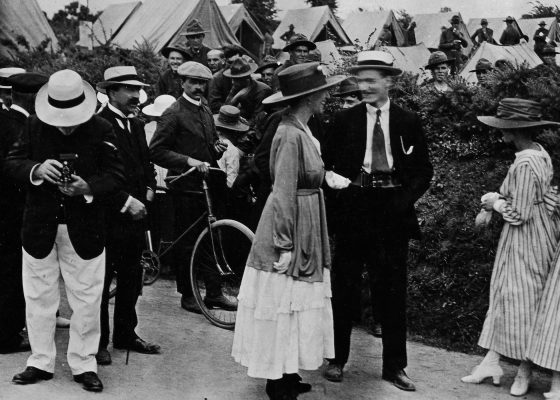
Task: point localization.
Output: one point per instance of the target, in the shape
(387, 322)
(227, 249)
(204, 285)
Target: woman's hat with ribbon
(374, 59)
(66, 100)
(514, 113)
(302, 79)
(161, 103)
(229, 118)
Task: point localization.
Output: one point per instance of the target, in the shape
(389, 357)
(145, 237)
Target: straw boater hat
(194, 28)
(438, 58)
(300, 80)
(240, 68)
(516, 113)
(121, 75)
(229, 118)
(299, 40)
(66, 100)
(161, 103)
(196, 70)
(482, 65)
(268, 62)
(373, 59)
(168, 49)
(348, 86)
(5, 73)
(27, 82)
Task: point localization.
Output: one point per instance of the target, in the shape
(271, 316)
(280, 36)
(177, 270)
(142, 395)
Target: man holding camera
(67, 157)
(186, 137)
(126, 218)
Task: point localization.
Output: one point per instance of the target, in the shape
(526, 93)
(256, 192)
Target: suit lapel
(360, 129)
(395, 134)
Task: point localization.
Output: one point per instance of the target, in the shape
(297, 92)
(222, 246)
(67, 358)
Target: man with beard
(220, 85)
(186, 137)
(126, 216)
(216, 60)
(195, 49)
(438, 64)
(299, 47)
(169, 82)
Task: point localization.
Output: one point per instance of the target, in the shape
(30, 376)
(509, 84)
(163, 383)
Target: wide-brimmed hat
(160, 104)
(374, 59)
(483, 21)
(509, 19)
(455, 19)
(438, 58)
(549, 50)
(542, 23)
(347, 86)
(516, 113)
(240, 68)
(194, 28)
(194, 69)
(5, 73)
(27, 82)
(300, 80)
(482, 65)
(268, 62)
(299, 40)
(121, 75)
(66, 100)
(168, 49)
(229, 118)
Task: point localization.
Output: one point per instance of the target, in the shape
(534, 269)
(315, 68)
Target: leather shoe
(220, 301)
(376, 330)
(90, 381)
(138, 345)
(31, 375)
(190, 304)
(103, 357)
(399, 379)
(333, 373)
(17, 346)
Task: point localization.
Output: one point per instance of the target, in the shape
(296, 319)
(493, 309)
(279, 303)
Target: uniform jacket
(510, 36)
(98, 164)
(218, 91)
(169, 83)
(345, 148)
(479, 36)
(200, 55)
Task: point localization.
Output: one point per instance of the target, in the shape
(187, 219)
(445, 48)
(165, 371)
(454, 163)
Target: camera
(68, 161)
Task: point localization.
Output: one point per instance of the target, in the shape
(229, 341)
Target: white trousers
(83, 280)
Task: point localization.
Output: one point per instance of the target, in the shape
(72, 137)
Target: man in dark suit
(483, 34)
(381, 151)
(186, 137)
(67, 157)
(12, 303)
(126, 222)
(220, 85)
(169, 82)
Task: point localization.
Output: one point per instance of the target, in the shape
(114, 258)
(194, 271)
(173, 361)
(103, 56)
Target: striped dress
(525, 251)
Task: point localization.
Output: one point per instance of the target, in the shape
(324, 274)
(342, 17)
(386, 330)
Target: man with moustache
(169, 82)
(126, 216)
(299, 47)
(186, 137)
(216, 60)
(381, 151)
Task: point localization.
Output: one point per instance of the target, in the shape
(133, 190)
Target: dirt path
(196, 364)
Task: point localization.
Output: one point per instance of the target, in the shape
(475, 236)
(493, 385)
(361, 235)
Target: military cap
(482, 65)
(27, 82)
(196, 70)
(299, 40)
(6, 73)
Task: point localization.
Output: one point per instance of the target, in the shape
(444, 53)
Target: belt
(376, 180)
(308, 192)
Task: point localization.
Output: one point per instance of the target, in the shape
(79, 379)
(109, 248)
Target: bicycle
(219, 255)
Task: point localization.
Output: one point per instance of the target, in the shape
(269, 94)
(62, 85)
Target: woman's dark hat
(229, 118)
(438, 58)
(516, 113)
(268, 62)
(300, 80)
(348, 86)
(299, 40)
(194, 28)
(374, 59)
(240, 68)
(482, 65)
(166, 50)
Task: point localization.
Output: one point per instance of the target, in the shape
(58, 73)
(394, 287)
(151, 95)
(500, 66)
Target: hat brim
(499, 123)
(481, 70)
(308, 43)
(166, 50)
(106, 84)
(391, 70)
(253, 68)
(266, 66)
(152, 111)
(345, 93)
(65, 117)
(432, 66)
(238, 127)
(278, 97)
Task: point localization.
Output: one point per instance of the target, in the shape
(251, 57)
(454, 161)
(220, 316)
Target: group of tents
(127, 24)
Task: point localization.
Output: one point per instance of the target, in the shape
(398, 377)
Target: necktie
(379, 161)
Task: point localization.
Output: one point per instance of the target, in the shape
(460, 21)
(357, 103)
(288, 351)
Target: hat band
(122, 78)
(67, 103)
(227, 119)
(510, 112)
(302, 85)
(375, 62)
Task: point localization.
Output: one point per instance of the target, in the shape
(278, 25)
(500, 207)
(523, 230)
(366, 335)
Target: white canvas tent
(554, 32)
(529, 27)
(172, 19)
(411, 59)
(108, 24)
(317, 23)
(244, 27)
(365, 27)
(428, 29)
(329, 54)
(517, 55)
(498, 25)
(23, 19)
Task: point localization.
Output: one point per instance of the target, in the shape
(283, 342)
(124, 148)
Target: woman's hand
(487, 201)
(283, 262)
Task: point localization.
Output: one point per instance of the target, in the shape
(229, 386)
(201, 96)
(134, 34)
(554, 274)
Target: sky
(467, 8)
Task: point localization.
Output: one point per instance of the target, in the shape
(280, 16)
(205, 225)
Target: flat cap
(194, 69)
(27, 82)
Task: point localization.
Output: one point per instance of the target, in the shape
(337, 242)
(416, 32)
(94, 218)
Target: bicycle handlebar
(171, 179)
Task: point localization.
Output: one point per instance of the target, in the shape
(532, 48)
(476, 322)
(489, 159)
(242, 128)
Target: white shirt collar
(22, 110)
(191, 100)
(384, 108)
(117, 111)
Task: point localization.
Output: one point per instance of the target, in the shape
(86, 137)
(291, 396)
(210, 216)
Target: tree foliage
(333, 4)
(540, 10)
(263, 11)
(445, 9)
(66, 22)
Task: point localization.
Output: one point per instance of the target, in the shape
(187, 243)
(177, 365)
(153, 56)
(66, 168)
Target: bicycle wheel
(217, 263)
(151, 267)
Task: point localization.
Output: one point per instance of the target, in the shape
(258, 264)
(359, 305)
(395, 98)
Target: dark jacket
(169, 83)
(479, 36)
(250, 104)
(218, 91)
(200, 55)
(510, 36)
(275, 82)
(98, 163)
(345, 148)
(540, 39)
(447, 41)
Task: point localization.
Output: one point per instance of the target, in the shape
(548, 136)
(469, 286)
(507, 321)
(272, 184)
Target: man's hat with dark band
(514, 113)
(268, 62)
(483, 21)
(542, 23)
(482, 65)
(166, 50)
(240, 68)
(438, 58)
(121, 75)
(374, 59)
(27, 82)
(229, 118)
(299, 40)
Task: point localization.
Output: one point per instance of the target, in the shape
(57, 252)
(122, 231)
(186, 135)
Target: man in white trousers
(67, 157)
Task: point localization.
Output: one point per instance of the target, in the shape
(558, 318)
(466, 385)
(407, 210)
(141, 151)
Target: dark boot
(296, 381)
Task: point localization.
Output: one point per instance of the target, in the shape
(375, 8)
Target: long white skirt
(283, 325)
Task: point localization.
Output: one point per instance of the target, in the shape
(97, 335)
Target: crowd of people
(80, 180)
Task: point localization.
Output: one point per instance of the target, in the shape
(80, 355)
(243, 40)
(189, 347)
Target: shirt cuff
(499, 205)
(35, 181)
(88, 198)
(126, 204)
